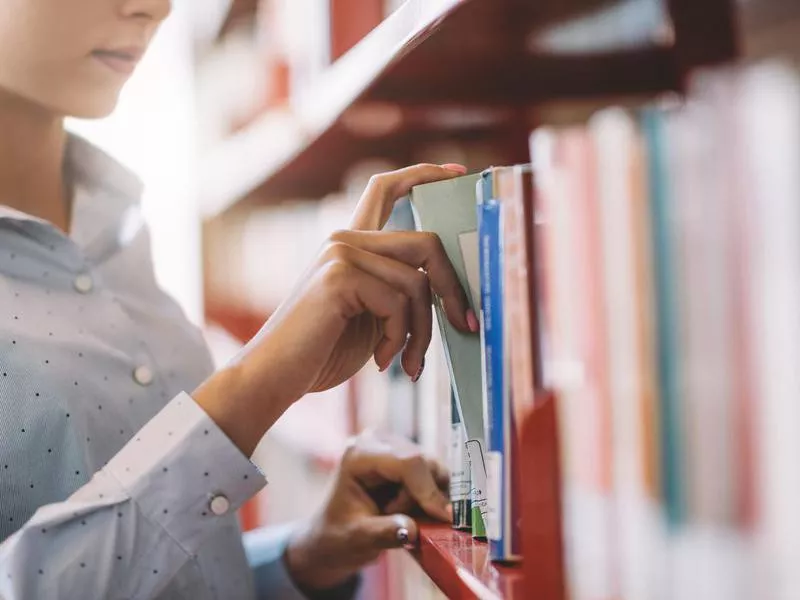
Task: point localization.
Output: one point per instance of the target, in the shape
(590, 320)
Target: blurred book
(670, 281)
(521, 341)
(629, 315)
(565, 177)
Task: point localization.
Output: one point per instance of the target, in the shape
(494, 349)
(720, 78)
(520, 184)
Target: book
(501, 210)
(664, 268)
(460, 481)
(622, 198)
(521, 346)
(447, 208)
(492, 365)
(767, 112)
(575, 358)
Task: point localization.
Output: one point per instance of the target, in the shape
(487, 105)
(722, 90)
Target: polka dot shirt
(113, 482)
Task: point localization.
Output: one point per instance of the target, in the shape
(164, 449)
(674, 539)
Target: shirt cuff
(184, 473)
(265, 549)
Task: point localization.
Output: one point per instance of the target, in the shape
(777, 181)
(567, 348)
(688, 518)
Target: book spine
(495, 394)
(520, 333)
(565, 178)
(666, 318)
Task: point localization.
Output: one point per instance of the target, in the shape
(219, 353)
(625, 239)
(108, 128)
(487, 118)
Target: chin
(90, 106)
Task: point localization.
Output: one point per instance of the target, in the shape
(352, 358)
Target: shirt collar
(91, 167)
(93, 170)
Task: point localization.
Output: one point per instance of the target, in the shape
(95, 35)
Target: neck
(32, 149)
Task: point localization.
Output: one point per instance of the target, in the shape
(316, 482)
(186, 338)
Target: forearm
(139, 520)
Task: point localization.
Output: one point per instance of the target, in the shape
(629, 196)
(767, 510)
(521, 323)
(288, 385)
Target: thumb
(388, 532)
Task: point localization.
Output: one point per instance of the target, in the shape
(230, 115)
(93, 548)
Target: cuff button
(219, 505)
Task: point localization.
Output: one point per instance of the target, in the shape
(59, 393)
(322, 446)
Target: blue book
(653, 126)
(496, 400)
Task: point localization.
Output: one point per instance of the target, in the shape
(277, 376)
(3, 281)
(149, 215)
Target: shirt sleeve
(128, 531)
(265, 550)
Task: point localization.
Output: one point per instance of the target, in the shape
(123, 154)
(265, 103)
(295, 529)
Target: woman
(115, 482)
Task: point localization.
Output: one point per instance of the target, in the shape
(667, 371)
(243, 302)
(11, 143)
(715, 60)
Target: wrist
(313, 562)
(242, 409)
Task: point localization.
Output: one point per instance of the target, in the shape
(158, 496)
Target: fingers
(374, 463)
(406, 447)
(420, 483)
(376, 204)
(404, 503)
(412, 283)
(441, 474)
(419, 250)
(358, 292)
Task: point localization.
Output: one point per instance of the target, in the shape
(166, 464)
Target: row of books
(485, 223)
(646, 268)
(670, 249)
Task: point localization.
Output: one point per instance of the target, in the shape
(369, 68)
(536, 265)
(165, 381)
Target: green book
(448, 209)
(654, 125)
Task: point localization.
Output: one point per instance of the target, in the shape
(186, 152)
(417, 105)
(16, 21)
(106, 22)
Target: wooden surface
(461, 568)
(758, 14)
(458, 71)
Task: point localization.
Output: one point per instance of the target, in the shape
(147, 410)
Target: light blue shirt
(113, 482)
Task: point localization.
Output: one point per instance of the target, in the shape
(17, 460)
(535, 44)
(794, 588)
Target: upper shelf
(452, 70)
(764, 14)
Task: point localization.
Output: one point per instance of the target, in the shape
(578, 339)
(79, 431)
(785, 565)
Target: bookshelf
(460, 566)
(477, 70)
(768, 13)
(459, 70)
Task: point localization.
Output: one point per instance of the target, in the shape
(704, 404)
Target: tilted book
(447, 208)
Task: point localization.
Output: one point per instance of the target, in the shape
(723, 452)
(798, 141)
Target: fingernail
(449, 510)
(455, 167)
(416, 377)
(472, 321)
(382, 368)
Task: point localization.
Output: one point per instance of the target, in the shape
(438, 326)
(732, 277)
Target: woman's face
(72, 57)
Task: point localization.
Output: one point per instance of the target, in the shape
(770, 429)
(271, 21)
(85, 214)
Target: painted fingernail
(455, 167)
(402, 536)
(472, 321)
(416, 377)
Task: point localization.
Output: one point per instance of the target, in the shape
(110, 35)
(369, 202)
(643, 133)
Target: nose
(151, 10)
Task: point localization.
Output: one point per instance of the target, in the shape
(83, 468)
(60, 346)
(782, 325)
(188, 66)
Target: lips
(122, 61)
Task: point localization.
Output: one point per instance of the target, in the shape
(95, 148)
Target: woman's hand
(367, 295)
(379, 483)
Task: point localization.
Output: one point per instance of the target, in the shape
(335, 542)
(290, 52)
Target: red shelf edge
(460, 566)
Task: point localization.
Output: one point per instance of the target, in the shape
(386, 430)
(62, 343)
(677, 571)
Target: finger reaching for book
(414, 263)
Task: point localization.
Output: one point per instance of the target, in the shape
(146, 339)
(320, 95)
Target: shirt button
(143, 375)
(83, 283)
(219, 505)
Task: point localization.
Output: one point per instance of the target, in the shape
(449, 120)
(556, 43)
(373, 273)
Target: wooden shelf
(461, 568)
(451, 70)
(764, 14)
